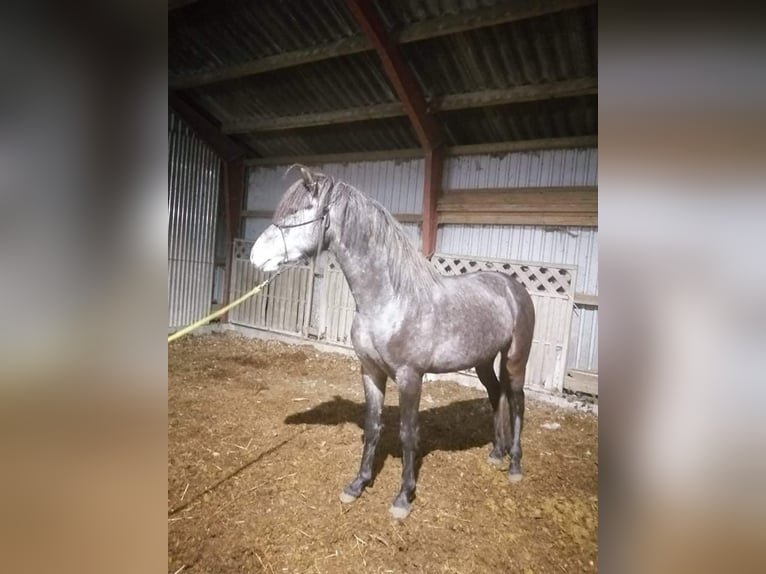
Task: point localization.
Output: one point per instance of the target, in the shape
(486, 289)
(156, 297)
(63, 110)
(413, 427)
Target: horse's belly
(464, 345)
(436, 343)
(448, 359)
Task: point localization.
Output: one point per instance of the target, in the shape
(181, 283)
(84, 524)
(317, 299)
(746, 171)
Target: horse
(410, 320)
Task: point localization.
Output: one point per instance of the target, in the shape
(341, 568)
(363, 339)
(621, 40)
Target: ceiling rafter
(347, 115)
(416, 32)
(484, 98)
(515, 95)
(429, 132)
(417, 153)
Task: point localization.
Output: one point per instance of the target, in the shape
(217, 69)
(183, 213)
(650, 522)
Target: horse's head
(299, 223)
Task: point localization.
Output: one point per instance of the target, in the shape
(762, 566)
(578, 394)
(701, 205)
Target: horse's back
(492, 284)
(464, 321)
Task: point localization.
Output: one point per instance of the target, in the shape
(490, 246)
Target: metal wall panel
(397, 184)
(562, 245)
(193, 182)
(525, 169)
(567, 245)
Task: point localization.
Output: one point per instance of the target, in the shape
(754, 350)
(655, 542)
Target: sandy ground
(263, 436)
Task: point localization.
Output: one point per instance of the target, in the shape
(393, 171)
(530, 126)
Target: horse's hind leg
(374, 393)
(500, 409)
(513, 372)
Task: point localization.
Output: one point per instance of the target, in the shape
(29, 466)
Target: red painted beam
(207, 129)
(428, 130)
(234, 173)
(433, 187)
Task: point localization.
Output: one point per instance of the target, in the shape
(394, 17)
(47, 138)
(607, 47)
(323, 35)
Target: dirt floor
(262, 437)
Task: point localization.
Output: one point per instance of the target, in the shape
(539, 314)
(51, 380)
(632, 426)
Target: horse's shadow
(461, 425)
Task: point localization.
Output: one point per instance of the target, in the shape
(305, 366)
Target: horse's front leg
(410, 384)
(374, 393)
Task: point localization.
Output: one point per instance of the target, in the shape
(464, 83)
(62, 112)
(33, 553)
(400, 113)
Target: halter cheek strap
(282, 228)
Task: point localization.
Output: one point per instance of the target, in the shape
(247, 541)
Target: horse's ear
(308, 178)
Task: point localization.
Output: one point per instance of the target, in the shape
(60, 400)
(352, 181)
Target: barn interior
(475, 123)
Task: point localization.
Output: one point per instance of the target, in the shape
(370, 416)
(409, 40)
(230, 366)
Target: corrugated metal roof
(532, 120)
(394, 133)
(398, 13)
(550, 48)
(212, 34)
(347, 82)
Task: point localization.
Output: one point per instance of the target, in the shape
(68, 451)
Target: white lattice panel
(552, 290)
(539, 279)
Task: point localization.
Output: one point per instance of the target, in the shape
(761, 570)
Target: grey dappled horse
(409, 320)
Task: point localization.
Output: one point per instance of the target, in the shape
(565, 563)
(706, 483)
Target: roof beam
(484, 17)
(524, 145)
(515, 95)
(374, 112)
(496, 148)
(518, 94)
(345, 47)
(417, 32)
(383, 155)
(206, 128)
(429, 132)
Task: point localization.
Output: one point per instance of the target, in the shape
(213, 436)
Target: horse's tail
(515, 362)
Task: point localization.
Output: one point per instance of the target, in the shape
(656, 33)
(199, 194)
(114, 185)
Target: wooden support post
(234, 192)
(431, 192)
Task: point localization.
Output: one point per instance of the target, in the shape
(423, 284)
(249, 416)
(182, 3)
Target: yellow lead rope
(221, 311)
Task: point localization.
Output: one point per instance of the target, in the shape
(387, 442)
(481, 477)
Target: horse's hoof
(399, 513)
(494, 461)
(347, 498)
(514, 478)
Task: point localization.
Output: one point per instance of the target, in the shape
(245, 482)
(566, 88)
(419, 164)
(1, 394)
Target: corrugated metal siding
(568, 245)
(397, 184)
(193, 182)
(565, 245)
(529, 169)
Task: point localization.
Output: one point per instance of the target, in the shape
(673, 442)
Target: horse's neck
(366, 270)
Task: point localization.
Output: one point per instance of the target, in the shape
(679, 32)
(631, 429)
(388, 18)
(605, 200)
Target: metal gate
(282, 307)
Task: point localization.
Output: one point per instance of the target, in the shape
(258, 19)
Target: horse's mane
(365, 225)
